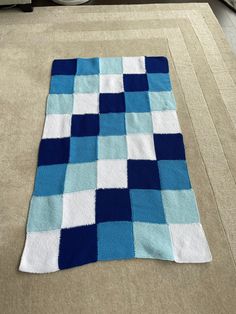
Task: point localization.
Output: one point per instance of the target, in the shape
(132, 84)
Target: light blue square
(174, 175)
(160, 101)
(112, 147)
(159, 82)
(45, 213)
(87, 66)
(111, 65)
(59, 104)
(80, 177)
(115, 240)
(62, 84)
(112, 124)
(152, 241)
(138, 122)
(180, 206)
(137, 102)
(49, 180)
(147, 206)
(87, 84)
(83, 149)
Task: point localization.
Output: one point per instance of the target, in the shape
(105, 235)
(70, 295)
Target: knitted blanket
(112, 180)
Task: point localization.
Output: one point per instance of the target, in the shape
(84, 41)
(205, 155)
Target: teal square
(152, 241)
(112, 124)
(111, 65)
(115, 240)
(138, 122)
(83, 149)
(180, 206)
(159, 82)
(45, 213)
(160, 101)
(49, 180)
(80, 177)
(147, 206)
(87, 83)
(59, 104)
(87, 66)
(62, 84)
(112, 147)
(174, 175)
(137, 102)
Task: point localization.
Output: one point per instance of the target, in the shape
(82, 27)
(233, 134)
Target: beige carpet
(203, 71)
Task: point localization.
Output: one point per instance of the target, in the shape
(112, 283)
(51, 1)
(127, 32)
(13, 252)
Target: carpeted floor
(203, 72)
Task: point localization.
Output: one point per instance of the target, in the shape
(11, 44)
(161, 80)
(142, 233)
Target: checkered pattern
(112, 180)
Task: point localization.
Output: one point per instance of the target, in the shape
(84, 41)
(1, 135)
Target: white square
(78, 209)
(111, 83)
(189, 243)
(112, 174)
(165, 122)
(134, 65)
(41, 252)
(141, 147)
(57, 126)
(86, 103)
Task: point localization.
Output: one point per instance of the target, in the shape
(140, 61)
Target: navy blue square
(143, 174)
(85, 125)
(78, 246)
(64, 67)
(112, 103)
(156, 65)
(169, 146)
(113, 205)
(135, 82)
(54, 151)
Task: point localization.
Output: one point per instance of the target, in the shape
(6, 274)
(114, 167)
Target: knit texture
(112, 179)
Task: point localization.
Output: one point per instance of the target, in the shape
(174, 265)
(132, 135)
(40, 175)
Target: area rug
(203, 76)
(112, 180)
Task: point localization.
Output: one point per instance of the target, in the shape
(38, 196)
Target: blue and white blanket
(112, 180)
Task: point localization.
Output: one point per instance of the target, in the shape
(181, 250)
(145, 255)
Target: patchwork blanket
(112, 180)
